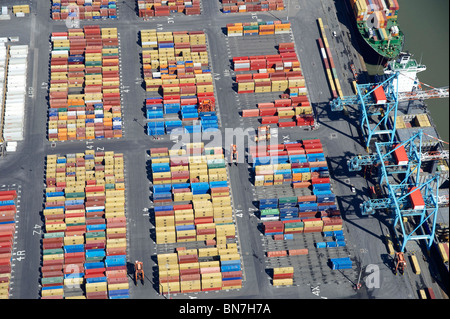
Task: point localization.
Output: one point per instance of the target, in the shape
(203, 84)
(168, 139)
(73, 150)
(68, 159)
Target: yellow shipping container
(96, 287)
(118, 286)
(283, 282)
(52, 292)
(415, 264)
(283, 270)
(164, 288)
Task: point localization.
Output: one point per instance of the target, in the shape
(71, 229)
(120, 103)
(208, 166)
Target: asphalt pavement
(24, 170)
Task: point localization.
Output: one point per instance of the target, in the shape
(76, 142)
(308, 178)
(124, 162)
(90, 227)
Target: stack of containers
(16, 84)
(21, 10)
(85, 9)
(177, 65)
(150, 8)
(258, 28)
(230, 266)
(338, 239)
(341, 263)
(283, 276)
(192, 270)
(200, 179)
(379, 12)
(7, 229)
(296, 111)
(364, 8)
(84, 245)
(275, 73)
(251, 6)
(194, 204)
(85, 85)
(293, 163)
(304, 224)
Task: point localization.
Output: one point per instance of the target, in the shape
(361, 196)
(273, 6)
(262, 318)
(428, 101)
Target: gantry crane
(382, 99)
(409, 197)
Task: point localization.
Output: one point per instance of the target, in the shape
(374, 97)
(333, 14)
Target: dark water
(425, 24)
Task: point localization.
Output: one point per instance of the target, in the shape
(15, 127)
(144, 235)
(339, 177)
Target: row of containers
(204, 269)
(300, 207)
(158, 8)
(193, 204)
(186, 117)
(328, 62)
(176, 67)
(258, 28)
(301, 164)
(287, 112)
(274, 73)
(8, 212)
(13, 89)
(410, 120)
(328, 221)
(233, 6)
(84, 246)
(84, 90)
(84, 9)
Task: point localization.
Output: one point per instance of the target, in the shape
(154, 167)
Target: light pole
(288, 4)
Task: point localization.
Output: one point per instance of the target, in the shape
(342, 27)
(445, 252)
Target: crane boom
(424, 94)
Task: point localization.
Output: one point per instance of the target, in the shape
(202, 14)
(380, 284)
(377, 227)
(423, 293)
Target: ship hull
(370, 55)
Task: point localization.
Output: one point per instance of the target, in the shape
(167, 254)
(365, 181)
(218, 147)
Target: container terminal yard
(125, 172)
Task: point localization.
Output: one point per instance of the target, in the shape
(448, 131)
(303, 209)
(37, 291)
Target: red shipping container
(416, 198)
(269, 120)
(287, 124)
(400, 155)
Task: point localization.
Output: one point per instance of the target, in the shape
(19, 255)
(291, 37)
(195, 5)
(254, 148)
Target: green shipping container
(54, 235)
(284, 200)
(52, 280)
(80, 195)
(54, 251)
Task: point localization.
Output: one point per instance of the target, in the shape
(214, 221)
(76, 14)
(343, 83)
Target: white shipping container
(13, 137)
(282, 31)
(12, 127)
(149, 43)
(11, 146)
(60, 52)
(61, 37)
